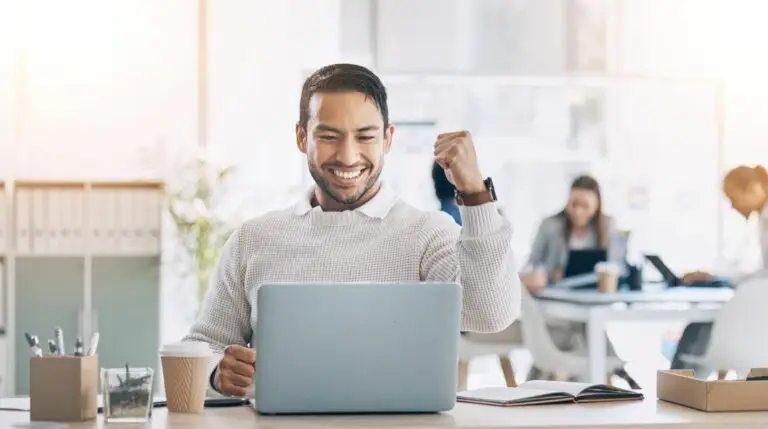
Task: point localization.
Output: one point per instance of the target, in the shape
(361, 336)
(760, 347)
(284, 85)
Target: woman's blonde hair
(743, 178)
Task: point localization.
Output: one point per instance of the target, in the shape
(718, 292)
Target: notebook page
(505, 394)
(569, 387)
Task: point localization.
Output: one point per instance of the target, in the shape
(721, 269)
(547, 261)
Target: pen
(52, 347)
(94, 344)
(34, 344)
(59, 335)
(78, 347)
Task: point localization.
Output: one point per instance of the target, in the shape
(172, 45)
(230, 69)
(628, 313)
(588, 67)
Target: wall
(489, 36)
(261, 51)
(89, 102)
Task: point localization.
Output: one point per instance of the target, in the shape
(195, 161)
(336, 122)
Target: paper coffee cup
(185, 375)
(607, 277)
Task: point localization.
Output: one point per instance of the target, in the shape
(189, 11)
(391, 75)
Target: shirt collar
(377, 207)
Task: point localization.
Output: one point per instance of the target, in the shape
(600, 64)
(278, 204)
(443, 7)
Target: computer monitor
(356, 347)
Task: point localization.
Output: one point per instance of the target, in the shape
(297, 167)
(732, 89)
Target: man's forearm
(488, 273)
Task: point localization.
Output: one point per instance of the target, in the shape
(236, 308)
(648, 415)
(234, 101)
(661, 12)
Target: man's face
(345, 142)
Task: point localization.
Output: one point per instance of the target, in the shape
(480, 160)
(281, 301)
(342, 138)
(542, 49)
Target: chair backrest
(536, 336)
(739, 329)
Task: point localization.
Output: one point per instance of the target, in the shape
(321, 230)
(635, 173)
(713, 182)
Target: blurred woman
(747, 189)
(580, 225)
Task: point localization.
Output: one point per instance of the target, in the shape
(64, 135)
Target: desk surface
(677, 294)
(648, 414)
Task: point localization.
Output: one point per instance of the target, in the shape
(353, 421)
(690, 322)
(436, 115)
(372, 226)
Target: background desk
(648, 414)
(596, 309)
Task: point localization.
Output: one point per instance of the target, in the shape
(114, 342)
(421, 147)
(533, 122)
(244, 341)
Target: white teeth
(348, 175)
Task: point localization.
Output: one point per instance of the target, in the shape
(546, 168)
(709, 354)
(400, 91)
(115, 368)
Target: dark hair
(343, 78)
(444, 190)
(598, 220)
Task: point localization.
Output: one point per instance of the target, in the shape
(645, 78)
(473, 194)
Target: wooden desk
(648, 414)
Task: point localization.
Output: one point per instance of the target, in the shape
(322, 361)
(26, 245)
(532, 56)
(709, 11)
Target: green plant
(196, 195)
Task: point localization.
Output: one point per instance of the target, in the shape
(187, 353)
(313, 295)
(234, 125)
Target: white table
(647, 414)
(596, 309)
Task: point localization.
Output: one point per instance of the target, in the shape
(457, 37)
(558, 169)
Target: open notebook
(537, 392)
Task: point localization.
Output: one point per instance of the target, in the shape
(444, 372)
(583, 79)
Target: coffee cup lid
(190, 348)
(602, 267)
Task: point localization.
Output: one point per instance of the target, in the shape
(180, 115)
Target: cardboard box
(63, 388)
(682, 387)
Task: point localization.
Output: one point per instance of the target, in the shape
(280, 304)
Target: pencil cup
(127, 394)
(185, 375)
(63, 388)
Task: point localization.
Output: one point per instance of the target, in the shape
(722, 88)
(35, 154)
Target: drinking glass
(127, 394)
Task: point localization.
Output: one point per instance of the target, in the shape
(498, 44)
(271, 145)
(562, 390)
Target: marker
(52, 347)
(34, 344)
(59, 335)
(94, 344)
(78, 347)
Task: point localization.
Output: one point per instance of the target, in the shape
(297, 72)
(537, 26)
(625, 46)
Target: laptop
(356, 347)
(583, 261)
(670, 278)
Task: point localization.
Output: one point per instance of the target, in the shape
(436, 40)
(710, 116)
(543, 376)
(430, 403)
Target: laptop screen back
(669, 277)
(367, 347)
(583, 261)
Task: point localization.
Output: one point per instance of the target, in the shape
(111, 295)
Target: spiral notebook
(539, 392)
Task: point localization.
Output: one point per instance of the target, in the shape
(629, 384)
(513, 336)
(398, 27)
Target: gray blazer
(550, 249)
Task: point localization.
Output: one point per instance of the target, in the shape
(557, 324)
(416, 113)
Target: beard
(327, 188)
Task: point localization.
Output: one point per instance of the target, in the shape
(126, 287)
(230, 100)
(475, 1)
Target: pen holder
(63, 388)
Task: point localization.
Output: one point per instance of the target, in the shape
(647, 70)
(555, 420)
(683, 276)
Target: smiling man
(350, 228)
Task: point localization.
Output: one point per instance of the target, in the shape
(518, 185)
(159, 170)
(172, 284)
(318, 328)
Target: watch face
(490, 187)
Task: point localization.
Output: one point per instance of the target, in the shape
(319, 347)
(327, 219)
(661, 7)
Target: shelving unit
(83, 255)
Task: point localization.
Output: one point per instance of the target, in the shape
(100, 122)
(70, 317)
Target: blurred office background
(656, 98)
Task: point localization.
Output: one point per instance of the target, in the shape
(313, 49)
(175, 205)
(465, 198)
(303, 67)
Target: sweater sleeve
(479, 256)
(224, 318)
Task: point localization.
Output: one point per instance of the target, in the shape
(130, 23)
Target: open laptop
(583, 261)
(356, 347)
(670, 278)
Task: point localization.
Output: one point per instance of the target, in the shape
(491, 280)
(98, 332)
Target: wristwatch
(478, 198)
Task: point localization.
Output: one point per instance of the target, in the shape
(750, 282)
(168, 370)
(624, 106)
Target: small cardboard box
(682, 387)
(63, 388)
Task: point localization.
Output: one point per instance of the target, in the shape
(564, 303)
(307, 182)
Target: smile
(348, 175)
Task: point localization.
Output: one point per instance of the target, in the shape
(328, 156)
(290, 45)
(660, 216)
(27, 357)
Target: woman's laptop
(356, 347)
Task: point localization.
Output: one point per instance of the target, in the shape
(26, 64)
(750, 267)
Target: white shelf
(65, 219)
(96, 218)
(4, 207)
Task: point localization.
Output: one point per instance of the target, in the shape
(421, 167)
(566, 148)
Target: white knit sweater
(386, 240)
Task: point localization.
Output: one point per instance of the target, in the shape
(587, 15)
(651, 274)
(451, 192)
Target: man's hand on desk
(234, 375)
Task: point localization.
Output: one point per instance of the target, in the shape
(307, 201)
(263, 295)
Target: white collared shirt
(377, 207)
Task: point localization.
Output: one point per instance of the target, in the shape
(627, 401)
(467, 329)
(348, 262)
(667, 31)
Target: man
(350, 228)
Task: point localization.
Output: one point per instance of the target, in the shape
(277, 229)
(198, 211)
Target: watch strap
(478, 198)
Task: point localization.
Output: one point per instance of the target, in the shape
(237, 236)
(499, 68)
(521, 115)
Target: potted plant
(196, 196)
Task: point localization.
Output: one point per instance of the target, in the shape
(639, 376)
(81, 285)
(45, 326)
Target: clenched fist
(455, 152)
(234, 375)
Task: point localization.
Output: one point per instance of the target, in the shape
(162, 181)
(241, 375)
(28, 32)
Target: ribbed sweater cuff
(480, 221)
(211, 391)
